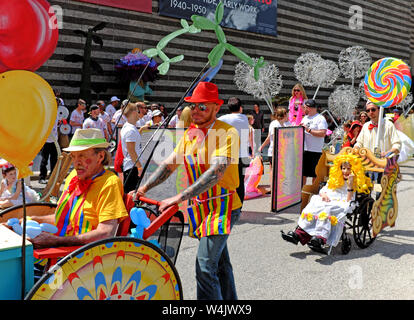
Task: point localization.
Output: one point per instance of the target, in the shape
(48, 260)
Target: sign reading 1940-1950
(257, 16)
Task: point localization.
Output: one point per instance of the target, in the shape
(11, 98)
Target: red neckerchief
(194, 132)
(79, 187)
(371, 126)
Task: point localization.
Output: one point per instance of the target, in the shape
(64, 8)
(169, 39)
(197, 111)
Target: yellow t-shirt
(104, 199)
(222, 140)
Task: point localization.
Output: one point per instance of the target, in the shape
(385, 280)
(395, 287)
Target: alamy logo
(355, 21)
(56, 21)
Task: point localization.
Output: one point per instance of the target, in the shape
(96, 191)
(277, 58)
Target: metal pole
(24, 241)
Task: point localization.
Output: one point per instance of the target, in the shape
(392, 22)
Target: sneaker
(43, 181)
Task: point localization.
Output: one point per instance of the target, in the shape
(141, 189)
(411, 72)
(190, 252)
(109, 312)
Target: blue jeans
(214, 273)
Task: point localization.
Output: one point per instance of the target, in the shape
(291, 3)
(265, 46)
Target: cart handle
(160, 220)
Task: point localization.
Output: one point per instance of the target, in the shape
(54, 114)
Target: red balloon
(28, 34)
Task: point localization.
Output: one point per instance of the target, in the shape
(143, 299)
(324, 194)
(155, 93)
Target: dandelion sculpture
(312, 70)
(304, 68)
(324, 74)
(354, 62)
(267, 86)
(342, 101)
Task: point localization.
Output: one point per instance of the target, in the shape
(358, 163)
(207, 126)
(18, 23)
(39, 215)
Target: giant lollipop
(387, 82)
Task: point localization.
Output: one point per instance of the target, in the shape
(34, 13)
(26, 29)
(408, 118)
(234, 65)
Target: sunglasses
(296, 90)
(200, 106)
(372, 110)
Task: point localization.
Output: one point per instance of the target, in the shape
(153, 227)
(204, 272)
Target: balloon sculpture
(33, 228)
(202, 23)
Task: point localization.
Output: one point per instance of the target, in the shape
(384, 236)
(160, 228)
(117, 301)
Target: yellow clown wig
(362, 183)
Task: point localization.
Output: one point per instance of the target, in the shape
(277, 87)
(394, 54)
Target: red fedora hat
(205, 92)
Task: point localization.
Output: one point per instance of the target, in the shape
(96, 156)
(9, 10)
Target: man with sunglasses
(209, 151)
(388, 143)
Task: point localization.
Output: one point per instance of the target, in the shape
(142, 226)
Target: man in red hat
(209, 151)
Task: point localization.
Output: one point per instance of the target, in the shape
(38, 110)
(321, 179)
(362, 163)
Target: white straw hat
(84, 139)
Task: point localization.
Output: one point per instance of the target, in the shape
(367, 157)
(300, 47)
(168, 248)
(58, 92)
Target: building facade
(383, 27)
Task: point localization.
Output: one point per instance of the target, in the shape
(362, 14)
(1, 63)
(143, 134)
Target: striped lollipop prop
(387, 82)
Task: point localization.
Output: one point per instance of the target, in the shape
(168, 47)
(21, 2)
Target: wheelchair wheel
(362, 224)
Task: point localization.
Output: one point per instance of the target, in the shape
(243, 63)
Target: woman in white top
(131, 148)
(281, 120)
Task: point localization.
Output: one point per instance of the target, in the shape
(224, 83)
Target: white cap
(115, 98)
(156, 113)
(124, 103)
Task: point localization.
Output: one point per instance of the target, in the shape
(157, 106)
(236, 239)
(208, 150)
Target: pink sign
(287, 167)
(134, 5)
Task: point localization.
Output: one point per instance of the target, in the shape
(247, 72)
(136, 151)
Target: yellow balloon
(28, 112)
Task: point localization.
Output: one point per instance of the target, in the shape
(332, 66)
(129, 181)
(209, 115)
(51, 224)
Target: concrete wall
(321, 26)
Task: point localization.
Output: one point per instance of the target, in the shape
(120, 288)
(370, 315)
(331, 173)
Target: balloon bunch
(202, 23)
(28, 106)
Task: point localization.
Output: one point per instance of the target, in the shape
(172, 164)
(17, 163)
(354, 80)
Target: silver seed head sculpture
(267, 86)
(342, 102)
(305, 66)
(354, 62)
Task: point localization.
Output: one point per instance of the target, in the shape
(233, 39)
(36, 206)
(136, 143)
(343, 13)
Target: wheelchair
(371, 213)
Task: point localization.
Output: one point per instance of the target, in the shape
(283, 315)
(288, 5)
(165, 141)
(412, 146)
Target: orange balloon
(28, 112)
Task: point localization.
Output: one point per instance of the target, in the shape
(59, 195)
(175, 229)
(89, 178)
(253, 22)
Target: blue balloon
(17, 228)
(12, 221)
(31, 223)
(47, 227)
(33, 232)
(139, 217)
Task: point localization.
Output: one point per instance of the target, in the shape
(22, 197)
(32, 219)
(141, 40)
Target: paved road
(268, 268)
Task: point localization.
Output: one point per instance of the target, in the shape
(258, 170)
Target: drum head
(65, 128)
(62, 113)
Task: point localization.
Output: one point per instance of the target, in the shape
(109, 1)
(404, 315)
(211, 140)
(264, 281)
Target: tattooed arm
(206, 181)
(160, 175)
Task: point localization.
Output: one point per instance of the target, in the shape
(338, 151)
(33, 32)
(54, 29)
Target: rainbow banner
(287, 167)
